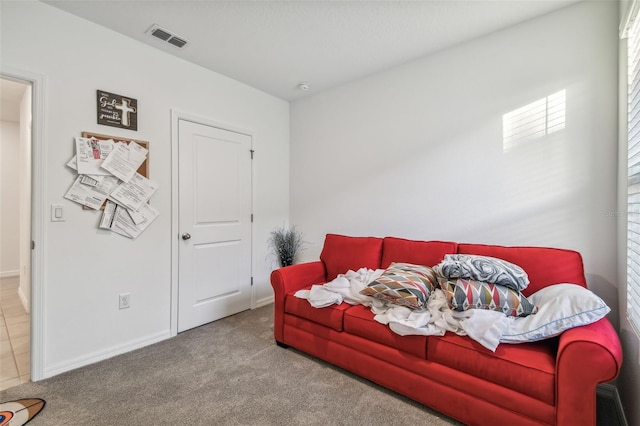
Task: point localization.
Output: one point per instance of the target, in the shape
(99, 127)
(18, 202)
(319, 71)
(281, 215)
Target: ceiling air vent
(178, 42)
(167, 36)
(161, 34)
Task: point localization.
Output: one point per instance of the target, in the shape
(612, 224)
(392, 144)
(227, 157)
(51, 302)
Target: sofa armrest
(295, 277)
(288, 279)
(587, 355)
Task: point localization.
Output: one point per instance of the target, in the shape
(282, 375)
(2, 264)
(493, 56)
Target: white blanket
(346, 287)
(486, 327)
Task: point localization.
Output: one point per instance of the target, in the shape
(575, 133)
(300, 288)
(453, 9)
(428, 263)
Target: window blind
(633, 167)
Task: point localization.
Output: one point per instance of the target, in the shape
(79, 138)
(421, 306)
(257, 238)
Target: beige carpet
(229, 372)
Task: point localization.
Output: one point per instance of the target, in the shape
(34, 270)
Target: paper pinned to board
(135, 193)
(73, 163)
(137, 217)
(125, 160)
(91, 153)
(91, 196)
(107, 215)
(107, 177)
(117, 219)
(92, 180)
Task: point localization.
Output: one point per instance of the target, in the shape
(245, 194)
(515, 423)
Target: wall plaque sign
(117, 111)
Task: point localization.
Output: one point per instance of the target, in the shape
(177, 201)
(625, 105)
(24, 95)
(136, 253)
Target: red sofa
(550, 382)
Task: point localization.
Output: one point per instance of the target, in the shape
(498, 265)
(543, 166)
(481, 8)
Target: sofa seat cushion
(528, 368)
(330, 316)
(359, 321)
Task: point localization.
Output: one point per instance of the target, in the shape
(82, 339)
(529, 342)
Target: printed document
(117, 219)
(73, 163)
(91, 180)
(124, 160)
(91, 153)
(91, 196)
(107, 215)
(135, 193)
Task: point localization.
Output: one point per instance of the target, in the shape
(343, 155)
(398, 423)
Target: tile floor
(14, 336)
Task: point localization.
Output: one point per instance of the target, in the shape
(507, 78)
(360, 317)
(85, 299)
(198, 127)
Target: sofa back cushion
(427, 253)
(544, 266)
(341, 253)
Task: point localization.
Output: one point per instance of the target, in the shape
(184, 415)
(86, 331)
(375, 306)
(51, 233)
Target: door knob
(186, 236)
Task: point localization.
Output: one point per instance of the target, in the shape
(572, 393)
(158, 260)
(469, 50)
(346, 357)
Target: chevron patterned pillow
(403, 284)
(463, 294)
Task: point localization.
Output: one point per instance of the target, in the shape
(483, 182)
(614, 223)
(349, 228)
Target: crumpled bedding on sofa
(562, 306)
(485, 327)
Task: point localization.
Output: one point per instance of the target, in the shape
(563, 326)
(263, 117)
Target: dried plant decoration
(286, 243)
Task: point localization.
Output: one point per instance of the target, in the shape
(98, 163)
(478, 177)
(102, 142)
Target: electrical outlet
(125, 300)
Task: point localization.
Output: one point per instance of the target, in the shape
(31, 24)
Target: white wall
(9, 205)
(86, 269)
(417, 151)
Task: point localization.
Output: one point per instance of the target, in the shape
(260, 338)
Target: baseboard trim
(610, 393)
(94, 357)
(264, 302)
(9, 274)
(25, 302)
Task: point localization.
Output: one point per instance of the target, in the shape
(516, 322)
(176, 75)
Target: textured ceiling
(274, 45)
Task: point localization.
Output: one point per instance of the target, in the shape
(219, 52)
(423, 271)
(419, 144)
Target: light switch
(57, 213)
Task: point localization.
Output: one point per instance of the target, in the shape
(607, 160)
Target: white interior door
(214, 177)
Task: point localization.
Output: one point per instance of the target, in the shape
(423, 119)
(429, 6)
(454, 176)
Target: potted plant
(286, 243)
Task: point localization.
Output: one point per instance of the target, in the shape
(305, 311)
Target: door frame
(38, 218)
(176, 116)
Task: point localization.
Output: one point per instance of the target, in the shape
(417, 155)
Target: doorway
(15, 232)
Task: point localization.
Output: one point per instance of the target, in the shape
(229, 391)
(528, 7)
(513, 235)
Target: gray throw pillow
(483, 268)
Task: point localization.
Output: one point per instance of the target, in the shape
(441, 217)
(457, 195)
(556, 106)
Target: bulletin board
(144, 167)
